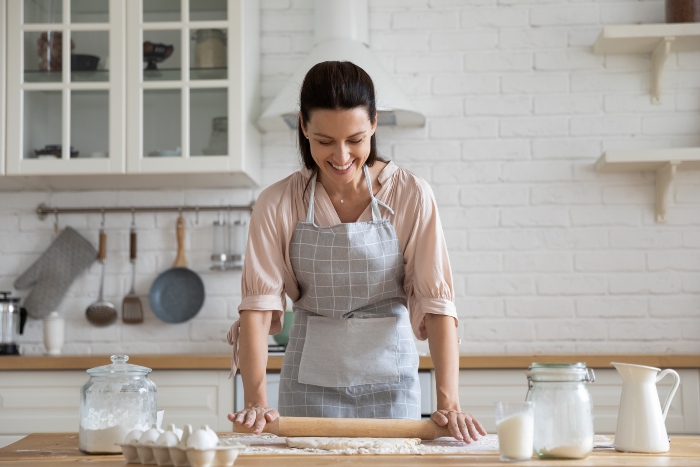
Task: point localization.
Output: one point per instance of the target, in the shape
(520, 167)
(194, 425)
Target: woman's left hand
(461, 425)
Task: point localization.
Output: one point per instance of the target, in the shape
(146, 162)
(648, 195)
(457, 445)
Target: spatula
(351, 428)
(132, 311)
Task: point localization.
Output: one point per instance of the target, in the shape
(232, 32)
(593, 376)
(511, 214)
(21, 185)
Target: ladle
(101, 313)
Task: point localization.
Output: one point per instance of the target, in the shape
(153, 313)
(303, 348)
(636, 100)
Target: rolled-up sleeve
(262, 281)
(428, 273)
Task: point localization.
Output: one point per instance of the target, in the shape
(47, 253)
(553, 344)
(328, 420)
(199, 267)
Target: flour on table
(373, 445)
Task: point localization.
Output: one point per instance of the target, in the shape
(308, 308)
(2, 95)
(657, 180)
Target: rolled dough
(386, 445)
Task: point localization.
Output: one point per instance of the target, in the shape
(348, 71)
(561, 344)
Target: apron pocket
(349, 352)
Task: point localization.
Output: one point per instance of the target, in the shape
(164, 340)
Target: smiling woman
(356, 243)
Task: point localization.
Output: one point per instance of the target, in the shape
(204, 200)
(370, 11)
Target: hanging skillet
(177, 294)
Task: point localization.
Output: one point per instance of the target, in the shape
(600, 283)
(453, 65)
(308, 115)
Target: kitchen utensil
(282, 338)
(641, 421)
(117, 399)
(54, 327)
(52, 274)
(12, 320)
(557, 389)
(177, 294)
(132, 311)
(238, 237)
(220, 242)
(351, 428)
(101, 313)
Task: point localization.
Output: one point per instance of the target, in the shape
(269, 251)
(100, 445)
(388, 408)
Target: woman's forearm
(252, 344)
(442, 339)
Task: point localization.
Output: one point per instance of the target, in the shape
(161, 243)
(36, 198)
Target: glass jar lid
(560, 372)
(119, 367)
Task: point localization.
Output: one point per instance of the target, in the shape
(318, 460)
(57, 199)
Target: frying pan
(178, 293)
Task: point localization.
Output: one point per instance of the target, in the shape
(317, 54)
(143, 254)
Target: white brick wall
(548, 255)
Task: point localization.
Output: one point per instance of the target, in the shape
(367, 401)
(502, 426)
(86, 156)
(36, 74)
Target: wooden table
(61, 450)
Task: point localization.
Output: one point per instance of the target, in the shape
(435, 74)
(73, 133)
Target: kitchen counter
(61, 449)
(274, 363)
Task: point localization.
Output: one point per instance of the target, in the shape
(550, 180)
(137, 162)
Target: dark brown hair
(336, 86)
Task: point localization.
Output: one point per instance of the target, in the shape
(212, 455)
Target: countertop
(61, 449)
(274, 363)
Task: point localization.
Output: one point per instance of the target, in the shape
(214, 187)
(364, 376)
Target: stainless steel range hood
(341, 33)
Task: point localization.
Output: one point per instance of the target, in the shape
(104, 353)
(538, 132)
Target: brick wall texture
(548, 255)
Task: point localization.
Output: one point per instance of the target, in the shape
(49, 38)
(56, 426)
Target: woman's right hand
(255, 417)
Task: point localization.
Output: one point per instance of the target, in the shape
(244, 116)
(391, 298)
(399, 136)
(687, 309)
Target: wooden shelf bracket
(664, 178)
(658, 59)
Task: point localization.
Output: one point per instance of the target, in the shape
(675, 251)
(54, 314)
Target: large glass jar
(563, 410)
(116, 399)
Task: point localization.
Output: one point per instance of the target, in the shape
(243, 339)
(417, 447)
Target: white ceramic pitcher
(641, 423)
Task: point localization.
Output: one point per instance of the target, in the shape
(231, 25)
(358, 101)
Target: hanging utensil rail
(44, 210)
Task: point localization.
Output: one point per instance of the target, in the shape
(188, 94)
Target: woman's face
(340, 142)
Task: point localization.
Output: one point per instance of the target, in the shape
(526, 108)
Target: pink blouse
(267, 272)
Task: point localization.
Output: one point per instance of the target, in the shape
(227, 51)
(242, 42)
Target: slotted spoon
(132, 311)
(101, 313)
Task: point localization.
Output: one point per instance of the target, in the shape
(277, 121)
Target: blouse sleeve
(262, 281)
(428, 273)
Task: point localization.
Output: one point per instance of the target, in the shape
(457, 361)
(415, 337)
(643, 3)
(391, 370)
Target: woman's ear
(301, 125)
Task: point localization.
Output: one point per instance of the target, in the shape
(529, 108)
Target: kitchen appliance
(641, 421)
(12, 321)
(341, 32)
(177, 294)
(563, 409)
(116, 399)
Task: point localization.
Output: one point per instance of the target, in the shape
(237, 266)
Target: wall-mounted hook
(133, 218)
(196, 219)
(102, 224)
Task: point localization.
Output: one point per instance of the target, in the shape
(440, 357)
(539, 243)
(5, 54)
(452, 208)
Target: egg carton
(180, 448)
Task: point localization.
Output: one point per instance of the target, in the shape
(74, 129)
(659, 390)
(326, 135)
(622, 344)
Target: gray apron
(351, 352)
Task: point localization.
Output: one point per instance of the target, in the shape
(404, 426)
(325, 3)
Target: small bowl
(84, 62)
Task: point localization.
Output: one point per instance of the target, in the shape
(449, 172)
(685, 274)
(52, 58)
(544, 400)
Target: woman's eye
(356, 141)
(324, 143)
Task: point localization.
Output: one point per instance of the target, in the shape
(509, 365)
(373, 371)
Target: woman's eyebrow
(330, 137)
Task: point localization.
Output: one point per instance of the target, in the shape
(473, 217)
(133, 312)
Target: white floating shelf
(664, 162)
(657, 39)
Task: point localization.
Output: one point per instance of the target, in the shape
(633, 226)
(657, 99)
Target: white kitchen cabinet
(49, 401)
(173, 98)
(480, 389)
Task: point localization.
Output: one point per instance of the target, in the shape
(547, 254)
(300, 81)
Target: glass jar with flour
(116, 399)
(562, 409)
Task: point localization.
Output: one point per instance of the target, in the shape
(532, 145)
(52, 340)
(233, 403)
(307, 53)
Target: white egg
(150, 436)
(212, 433)
(200, 439)
(169, 438)
(133, 436)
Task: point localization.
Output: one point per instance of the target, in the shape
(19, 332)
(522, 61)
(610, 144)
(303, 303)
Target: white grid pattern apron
(351, 352)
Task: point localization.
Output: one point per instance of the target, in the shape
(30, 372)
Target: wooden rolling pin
(351, 428)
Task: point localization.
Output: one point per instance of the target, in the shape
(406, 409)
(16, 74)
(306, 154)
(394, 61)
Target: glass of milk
(515, 427)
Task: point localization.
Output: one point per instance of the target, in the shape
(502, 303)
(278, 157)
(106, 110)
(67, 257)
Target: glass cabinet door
(179, 54)
(65, 81)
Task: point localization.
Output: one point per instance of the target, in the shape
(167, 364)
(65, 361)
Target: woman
(356, 243)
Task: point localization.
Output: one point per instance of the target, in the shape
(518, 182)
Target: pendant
(342, 201)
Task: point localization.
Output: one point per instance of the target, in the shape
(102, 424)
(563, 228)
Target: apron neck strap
(376, 216)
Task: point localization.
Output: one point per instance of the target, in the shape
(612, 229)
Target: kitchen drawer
(49, 401)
